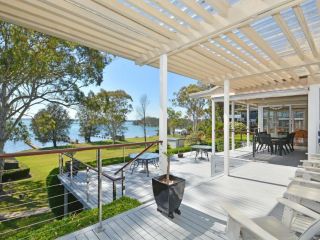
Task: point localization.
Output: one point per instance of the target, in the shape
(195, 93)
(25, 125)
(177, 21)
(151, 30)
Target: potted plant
(168, 191)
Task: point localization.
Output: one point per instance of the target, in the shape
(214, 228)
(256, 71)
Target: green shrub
(56, 197)
(180, 150)
(16, 174)
(56, 228)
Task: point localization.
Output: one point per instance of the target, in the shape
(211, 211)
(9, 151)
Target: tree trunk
(54, 141)
(145, 133)
(1, 165)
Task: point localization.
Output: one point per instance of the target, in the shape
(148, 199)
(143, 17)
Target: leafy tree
(51, 124)
(174, 119)
(239, 127)
(142, 113)
(88, 114)
(115, 105)
(195, 106)
(36, 68)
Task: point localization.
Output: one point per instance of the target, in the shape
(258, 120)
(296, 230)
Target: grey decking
(202, 216)
(138, 185)
(146, 223)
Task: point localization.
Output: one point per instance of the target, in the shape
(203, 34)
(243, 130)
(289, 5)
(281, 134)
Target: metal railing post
(62, 170)
(114, 191)
(124, 159)
(87, 178)
(123, 183)
(99, 189)
(60, 166)
(71, 170)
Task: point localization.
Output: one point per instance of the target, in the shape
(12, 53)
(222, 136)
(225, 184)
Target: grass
(56, 228)
(33, 190)
(22, 223)
(32, 193)
(41, 165)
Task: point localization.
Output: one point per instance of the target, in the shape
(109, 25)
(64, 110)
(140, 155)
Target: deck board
(202, 217)
(138, 185)
(253, 186)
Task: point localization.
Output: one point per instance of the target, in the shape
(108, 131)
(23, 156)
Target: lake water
(132, 131)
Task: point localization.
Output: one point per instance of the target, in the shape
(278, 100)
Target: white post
(226, 126)
(232, 127)
(213, 115)
(99, 161)
(313, 118)
(163, 113)
(290, 119)
(248, 125)
(260, 118)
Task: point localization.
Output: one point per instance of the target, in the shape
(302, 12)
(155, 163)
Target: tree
(142, 113)
(88, 114)
(51, 124)
(115, 105)
(174, 119)
(194, 106)
(36, 68)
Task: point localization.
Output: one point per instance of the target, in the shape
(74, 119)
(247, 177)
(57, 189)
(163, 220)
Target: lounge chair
(270, 228)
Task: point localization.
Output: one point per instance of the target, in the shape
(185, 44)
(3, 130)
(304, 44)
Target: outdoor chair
(240, 226)
(308, 175)
(290, 142)
(311, 165)
(75, 167)
(267, 142)
(281, 146)
(260, 144)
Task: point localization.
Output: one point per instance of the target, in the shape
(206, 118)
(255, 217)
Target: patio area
(138, 185)
(252, 186)
(258, 54)
(195, 171)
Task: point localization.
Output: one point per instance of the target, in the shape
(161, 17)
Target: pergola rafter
(209, 40)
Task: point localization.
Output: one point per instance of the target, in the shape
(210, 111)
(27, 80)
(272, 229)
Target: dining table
(278, 140)
(144, 159)
(201, 149)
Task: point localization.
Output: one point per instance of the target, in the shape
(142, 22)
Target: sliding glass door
(276, 119)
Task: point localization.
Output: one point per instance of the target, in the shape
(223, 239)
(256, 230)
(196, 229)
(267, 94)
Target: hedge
(57, 228)
(56, 191)
(56, 197)
(180, 150)
(16, 174)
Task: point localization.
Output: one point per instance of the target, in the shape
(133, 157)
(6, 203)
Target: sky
(123, 74)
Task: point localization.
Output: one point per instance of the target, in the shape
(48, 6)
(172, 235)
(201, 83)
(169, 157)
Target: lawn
(41, 165)
(31, 193)
(51, 229)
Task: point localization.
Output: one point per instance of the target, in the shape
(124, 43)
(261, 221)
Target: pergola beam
(262, 44)
(118, 7)
(304, 26)
(200, 11)
(176, 11)
(160, 16)
(239, 15)
(221, 6)
(289, 35)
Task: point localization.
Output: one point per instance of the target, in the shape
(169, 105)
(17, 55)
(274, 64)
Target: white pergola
(243, 46)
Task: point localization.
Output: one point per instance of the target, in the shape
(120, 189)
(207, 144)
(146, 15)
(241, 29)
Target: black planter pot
(180, 155)
(168, 197)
